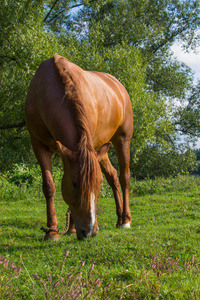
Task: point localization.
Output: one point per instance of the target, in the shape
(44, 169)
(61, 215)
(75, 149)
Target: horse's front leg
(71, 230)
(49, 192)
(44, 157)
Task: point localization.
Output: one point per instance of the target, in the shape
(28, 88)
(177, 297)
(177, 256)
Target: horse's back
(58, 82)
(112, 103)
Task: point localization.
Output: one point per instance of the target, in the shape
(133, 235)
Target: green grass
(158, 258)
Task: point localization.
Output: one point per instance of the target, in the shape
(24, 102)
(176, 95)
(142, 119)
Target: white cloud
(191, 59)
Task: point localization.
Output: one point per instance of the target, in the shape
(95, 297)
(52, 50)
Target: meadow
(158, 258)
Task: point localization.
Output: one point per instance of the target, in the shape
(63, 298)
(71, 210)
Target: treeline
(129, 39)
(197, 171)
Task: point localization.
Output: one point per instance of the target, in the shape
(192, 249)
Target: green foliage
(23, 175)
(166, 162)
(25, 43)
(28, 179)
(187, 117)
(129, 39)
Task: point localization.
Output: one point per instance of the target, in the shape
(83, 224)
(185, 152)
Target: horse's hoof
(126, 225)
(71, 232)
(119, 223)
(53, 236)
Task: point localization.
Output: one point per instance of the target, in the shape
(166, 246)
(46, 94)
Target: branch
(50, 10)
(63, 10)
(10, 58)
(168, 39)
(13, 59)
(17, 125)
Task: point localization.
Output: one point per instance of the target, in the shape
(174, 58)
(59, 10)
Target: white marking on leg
(126, 225)
(92, 211)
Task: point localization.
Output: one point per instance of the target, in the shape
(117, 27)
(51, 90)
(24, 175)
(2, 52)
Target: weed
(8, 274)
(193, 265)
(164, 262)
(73, 286)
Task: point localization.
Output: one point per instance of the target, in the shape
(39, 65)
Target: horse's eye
(75, 185)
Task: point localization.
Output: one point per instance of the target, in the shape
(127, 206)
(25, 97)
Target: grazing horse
(80, 113)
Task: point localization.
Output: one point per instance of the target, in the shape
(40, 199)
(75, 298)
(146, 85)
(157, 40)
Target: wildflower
(192, 259)
(97, 281)
(12, 265)
(35, 276)
(83, 264)
(69, 276)
(92, 267)
(5, 263)
(42, 281)
(83, 284)
(87, 295)
(56, 284)
(66, 253)
(18, 273)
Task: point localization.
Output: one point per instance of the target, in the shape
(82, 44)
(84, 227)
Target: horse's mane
(90, 172)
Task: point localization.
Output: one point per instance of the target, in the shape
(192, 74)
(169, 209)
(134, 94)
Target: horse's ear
(65, 152)
(103, 150)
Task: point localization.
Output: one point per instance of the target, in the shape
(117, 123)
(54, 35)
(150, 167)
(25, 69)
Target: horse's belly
(105, 130)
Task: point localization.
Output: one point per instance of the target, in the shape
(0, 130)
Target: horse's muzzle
(82, 234)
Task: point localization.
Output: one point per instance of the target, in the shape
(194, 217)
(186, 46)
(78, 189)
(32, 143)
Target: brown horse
(79, 112)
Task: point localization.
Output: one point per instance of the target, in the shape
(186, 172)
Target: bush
(155, 162)
(24, 181)
(179, 183)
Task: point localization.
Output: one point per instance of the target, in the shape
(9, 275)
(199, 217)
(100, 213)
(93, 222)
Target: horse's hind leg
(44, 156)
(112, 178)
(122, 147)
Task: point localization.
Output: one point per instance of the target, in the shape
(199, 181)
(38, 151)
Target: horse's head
(80, 186)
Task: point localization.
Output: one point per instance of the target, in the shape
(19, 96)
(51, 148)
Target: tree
(187, 117)
(24, 44)
(129, 39)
